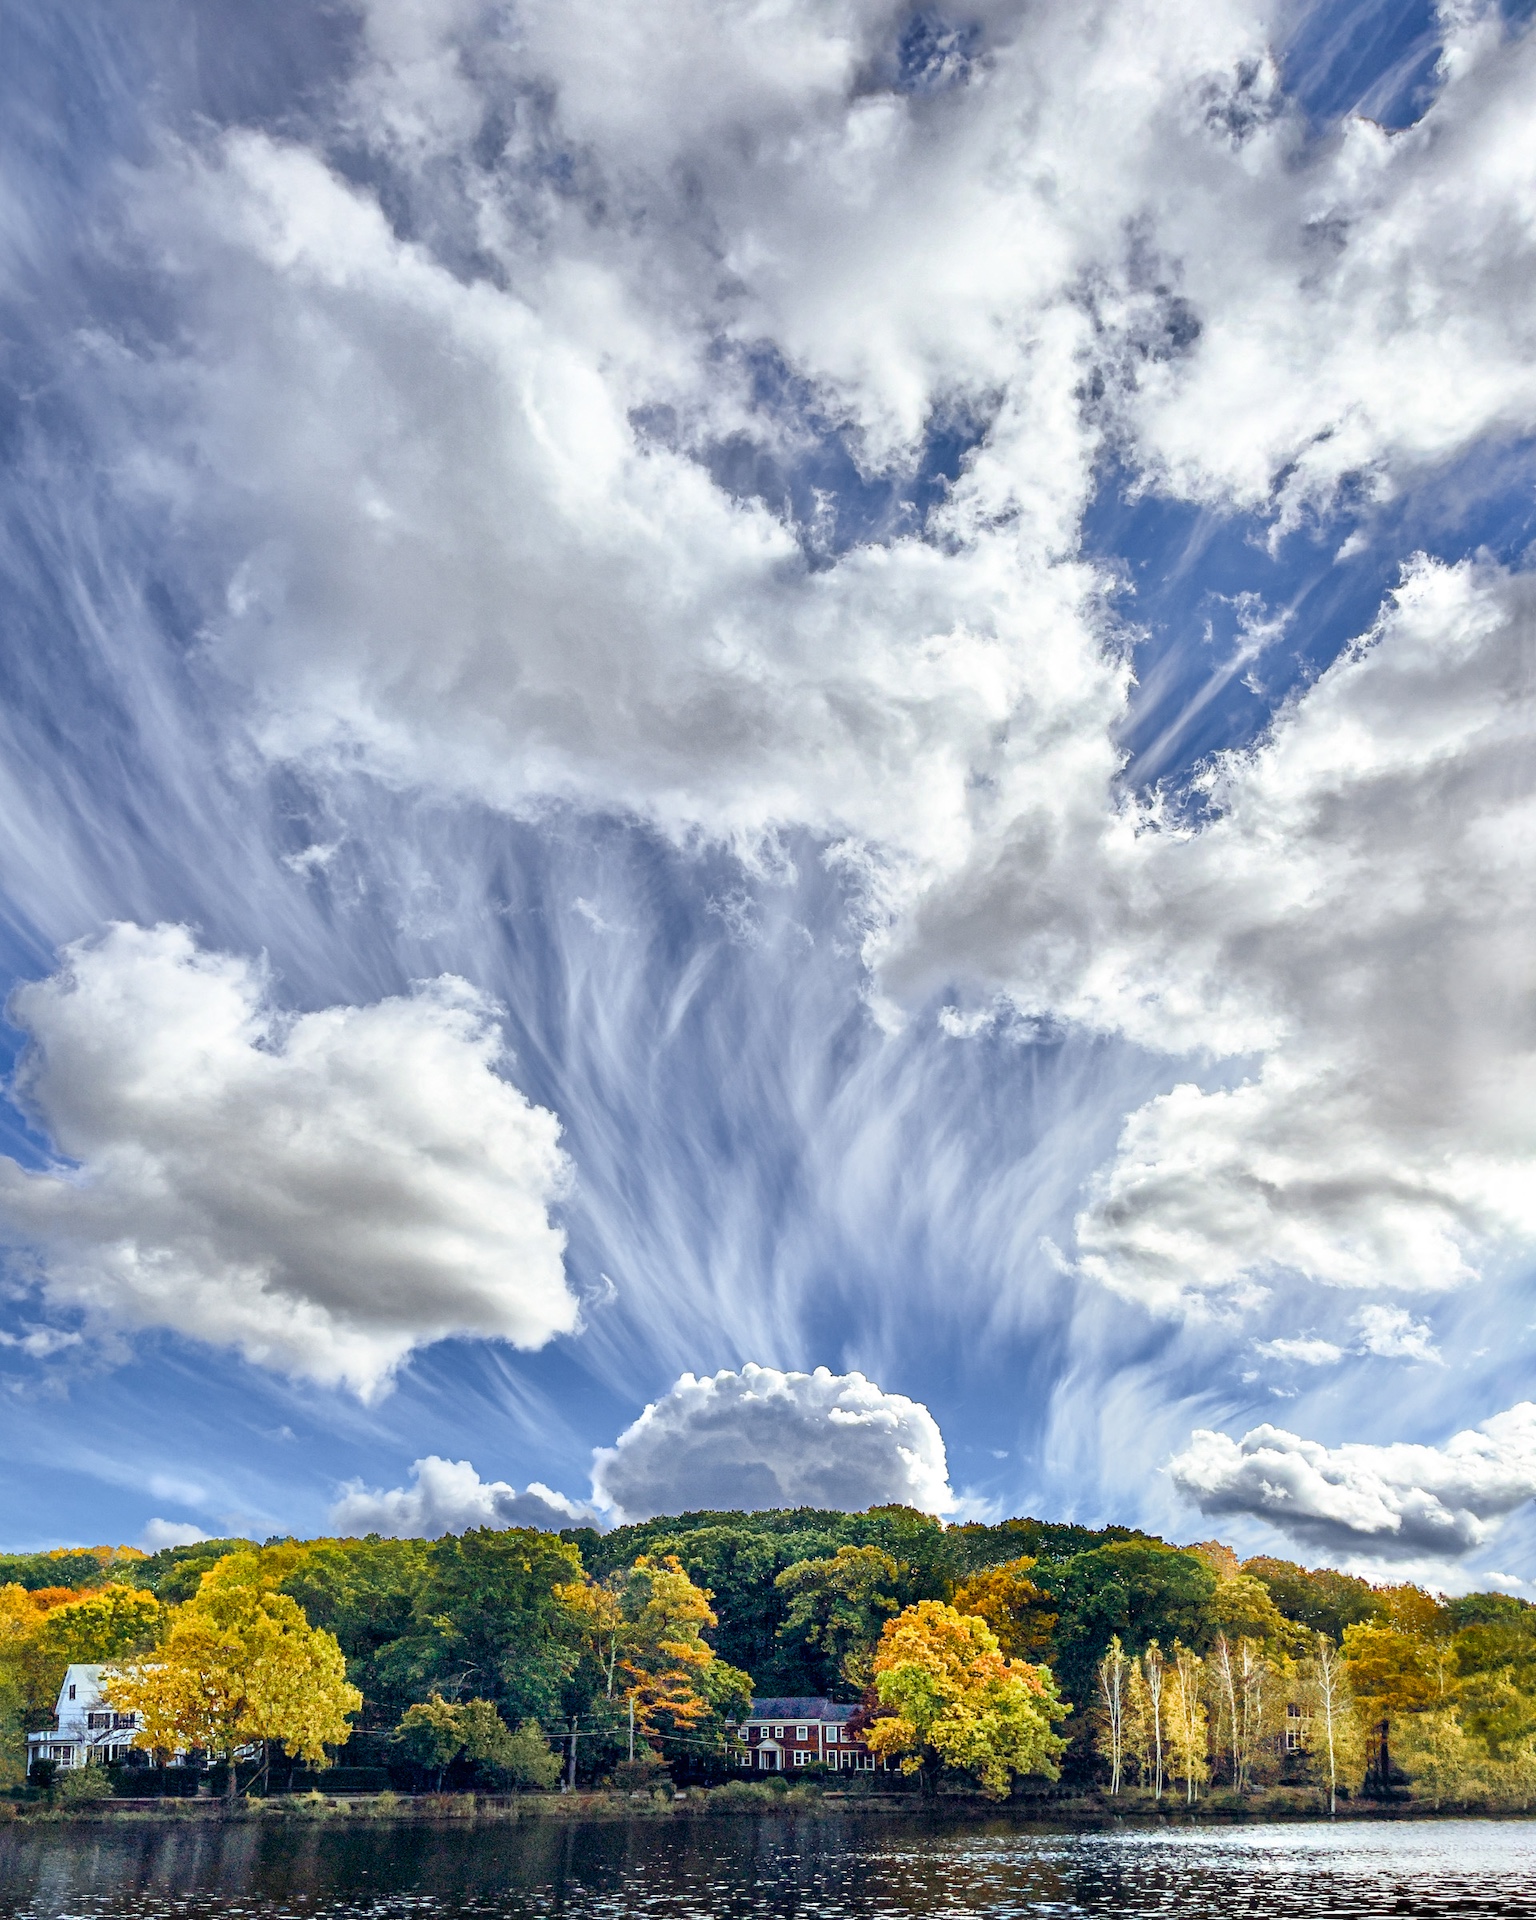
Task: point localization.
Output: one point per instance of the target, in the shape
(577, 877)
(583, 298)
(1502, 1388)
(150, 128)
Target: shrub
(648, 1770)
(78, 1785)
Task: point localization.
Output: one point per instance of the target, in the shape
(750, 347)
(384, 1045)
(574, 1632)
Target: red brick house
(785, 1734)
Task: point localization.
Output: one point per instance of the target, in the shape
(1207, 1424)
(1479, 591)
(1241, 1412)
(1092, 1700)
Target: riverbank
(1091, 1812)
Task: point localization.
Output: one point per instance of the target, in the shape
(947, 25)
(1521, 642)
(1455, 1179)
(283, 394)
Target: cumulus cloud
(761, 1438)
(1388, 1502)
(323, 1191)
(1307, 1352)
(493, 541)
(448, 1496)
(1394, 1334)
(158, 1534)
(1352, 928)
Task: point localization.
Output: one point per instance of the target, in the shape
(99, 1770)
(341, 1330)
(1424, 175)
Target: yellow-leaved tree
(1016, 1610)
(44, 1632)
(241, 1664)
(952, 1698)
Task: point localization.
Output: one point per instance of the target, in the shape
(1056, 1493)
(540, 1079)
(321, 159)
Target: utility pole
(631, 1729)
(570, 1778)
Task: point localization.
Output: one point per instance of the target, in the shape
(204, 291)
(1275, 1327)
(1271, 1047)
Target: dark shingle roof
(800, 1709)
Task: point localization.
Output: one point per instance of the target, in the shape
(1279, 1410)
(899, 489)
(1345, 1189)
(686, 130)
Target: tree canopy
(952, 1698)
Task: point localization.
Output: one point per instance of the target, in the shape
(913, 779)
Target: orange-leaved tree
(644, 1627)
(951, 1697)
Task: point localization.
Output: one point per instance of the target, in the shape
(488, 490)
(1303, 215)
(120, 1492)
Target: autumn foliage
(953, 1698)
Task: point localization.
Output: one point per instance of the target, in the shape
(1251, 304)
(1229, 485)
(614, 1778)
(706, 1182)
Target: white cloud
(170, 1533)
(454, 555)
(761, 1438)
(1308, 1352)
(1356, 920)
(1368, 316)
(459, 564)
(1394, 1334)
(448, 1496)
(1388, 1502)
(324, 1191)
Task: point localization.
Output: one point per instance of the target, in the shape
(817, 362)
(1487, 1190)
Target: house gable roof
(799, 1708)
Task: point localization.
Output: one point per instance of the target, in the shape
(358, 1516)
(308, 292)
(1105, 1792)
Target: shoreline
(1082, 1814)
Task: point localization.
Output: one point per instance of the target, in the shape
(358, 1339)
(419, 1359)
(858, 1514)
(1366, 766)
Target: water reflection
(730, 1868)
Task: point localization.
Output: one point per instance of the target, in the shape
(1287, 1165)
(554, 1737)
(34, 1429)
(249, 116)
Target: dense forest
(1106, 1657)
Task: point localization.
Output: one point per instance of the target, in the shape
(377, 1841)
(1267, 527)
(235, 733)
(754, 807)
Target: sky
(774, 753)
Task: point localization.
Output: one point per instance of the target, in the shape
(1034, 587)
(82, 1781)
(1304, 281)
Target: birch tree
(1112, 1703)
(1334, 1734)
(1137, 1722)
(1152, 1661)
(1186, 1721)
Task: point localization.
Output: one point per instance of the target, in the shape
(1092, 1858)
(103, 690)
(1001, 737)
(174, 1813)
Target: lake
(723, 1867)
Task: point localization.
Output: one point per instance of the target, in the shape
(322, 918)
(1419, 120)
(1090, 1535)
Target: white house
(784, 1733)
(89, 1728)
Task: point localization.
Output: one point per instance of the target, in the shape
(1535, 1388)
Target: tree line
(1105, 1657)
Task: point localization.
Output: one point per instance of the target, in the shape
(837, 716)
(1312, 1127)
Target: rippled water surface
(722, 1868)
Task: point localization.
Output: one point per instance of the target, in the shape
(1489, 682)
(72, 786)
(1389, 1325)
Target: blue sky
(823, 573)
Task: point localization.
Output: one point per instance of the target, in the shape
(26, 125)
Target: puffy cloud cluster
(323, 1191)
(482, 541)
(1392, 1502)
(159, 1534)
(761, 1438)
(448, 1496)
(1356, 919)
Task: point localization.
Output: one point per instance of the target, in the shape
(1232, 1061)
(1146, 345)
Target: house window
(125, 1719)
(98, 1720)
(832, 1735)
(802, 1733)
(778, 1733)
(801, 1759)
(71, 1693)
